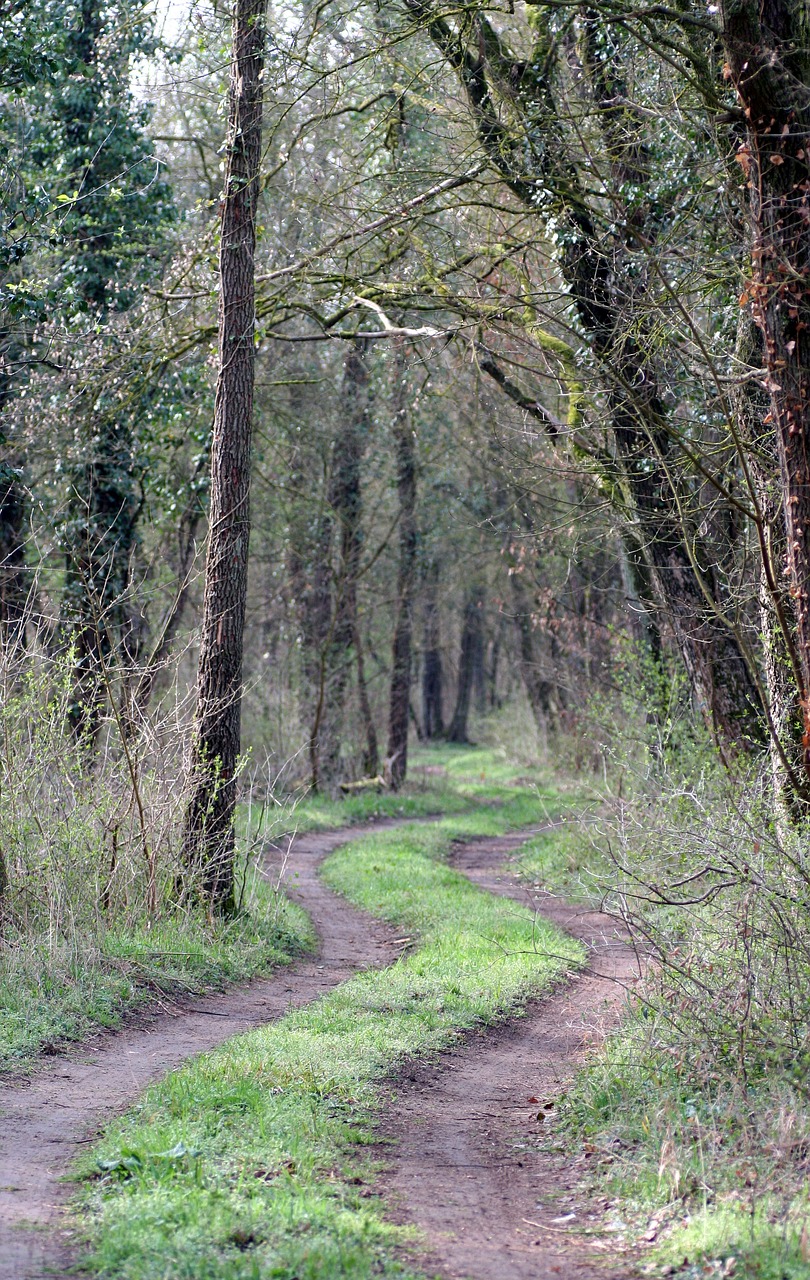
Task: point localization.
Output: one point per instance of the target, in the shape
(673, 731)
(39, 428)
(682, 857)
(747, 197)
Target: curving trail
(468, 1166)
(43, 1121)
(464, 1168)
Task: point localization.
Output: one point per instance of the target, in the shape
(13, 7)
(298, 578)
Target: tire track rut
(467, 1169)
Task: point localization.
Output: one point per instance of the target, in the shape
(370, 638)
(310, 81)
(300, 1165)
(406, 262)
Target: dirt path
(468, 1168)
(465, 1169)
(43, 1121)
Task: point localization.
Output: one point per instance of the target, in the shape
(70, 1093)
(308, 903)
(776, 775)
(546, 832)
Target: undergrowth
(694, 1117)
(250, 1160)
(90, 925)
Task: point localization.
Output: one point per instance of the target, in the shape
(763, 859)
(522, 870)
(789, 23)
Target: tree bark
(100, 537)
(768, 60)
(470, 640)
(346, 509)
(400, 694)
(539, 691)
(751, 404)
(208, 838)
(15, 578)
(432, 676)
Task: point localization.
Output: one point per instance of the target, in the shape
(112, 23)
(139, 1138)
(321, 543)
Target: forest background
(529, 461)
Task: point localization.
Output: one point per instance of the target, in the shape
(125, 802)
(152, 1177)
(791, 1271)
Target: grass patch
(761, 1242)
(564, 860)
(442, 779)
(716, 1171)
(248, 1162)
(53, 991)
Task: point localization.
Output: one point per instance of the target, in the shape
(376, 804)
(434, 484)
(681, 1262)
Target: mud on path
(43, 1121)
(466, 1167)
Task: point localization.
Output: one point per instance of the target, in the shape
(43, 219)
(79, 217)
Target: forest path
(459, 1170)
(44, 1120)
(466, 1167)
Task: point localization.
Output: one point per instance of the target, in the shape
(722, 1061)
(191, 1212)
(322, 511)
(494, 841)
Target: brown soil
(466, 1169)
(469, 1167)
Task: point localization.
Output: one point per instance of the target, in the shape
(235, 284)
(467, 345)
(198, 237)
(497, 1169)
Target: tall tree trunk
(371, 756)
(15, 578)
(405, 453)
(314, 599)
(768, 57)
(685, 584)
(144, 679)
(346, 505)
(432, 699)
(100, 537)
(208, 838)
(470, 640)
(751, 403)
(493, 701)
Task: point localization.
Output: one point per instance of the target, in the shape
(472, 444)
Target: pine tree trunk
(432, 676)
(405, 453)
(208, 842)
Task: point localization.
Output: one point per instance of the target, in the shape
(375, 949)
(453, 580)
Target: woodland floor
(462, 1147)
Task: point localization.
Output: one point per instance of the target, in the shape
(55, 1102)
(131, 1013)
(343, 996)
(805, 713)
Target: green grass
(564, 860)
(52, 992)
(763, 1243)
(249, 1162)
(442, 779)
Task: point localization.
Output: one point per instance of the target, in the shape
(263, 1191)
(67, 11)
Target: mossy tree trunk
(768, 59)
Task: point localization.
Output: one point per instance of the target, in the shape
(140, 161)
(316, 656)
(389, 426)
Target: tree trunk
(15, 579)
(100, 537)
(751, 403)
(346, 505)
(371, 756)
(539, 691)
(470, 640)
(432, 708)
(208, 839)
(493, 701)
(142, 685)
(768, 60)
(405, 453)
(612, 304)
(313, 586)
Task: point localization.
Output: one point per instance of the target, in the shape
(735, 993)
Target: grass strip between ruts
(248, 1161)
(59, 986)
